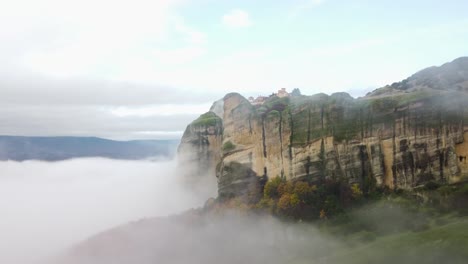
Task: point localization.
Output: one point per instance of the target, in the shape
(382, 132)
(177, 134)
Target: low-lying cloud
(47, 207)
(228, 238)
(51, 213)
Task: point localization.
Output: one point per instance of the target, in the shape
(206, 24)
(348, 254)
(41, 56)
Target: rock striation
(400, 139)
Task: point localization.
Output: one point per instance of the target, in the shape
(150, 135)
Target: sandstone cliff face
(400, 136)
(461, 151)
(400, 142)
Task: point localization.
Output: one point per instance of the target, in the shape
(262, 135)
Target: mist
(100, 211)
(232, 236)
(226, 237)
(48, 207)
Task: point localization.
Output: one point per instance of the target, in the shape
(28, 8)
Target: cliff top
(443, 89)
(451, 76)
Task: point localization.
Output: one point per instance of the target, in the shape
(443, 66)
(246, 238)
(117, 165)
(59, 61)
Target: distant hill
(451, 76)
(60, 148)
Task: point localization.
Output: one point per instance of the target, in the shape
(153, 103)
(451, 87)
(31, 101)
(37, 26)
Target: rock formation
(400, 138)
(201, 144)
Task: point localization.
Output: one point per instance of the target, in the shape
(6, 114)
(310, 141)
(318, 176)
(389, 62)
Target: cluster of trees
(308, 201)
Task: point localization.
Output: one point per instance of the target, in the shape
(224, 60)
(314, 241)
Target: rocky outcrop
(200, 147)
(399, 141)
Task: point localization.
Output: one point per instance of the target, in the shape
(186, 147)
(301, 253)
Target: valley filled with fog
(47, 207)
(190, 132)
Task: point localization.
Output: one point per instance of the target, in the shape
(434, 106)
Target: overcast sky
(146, 68)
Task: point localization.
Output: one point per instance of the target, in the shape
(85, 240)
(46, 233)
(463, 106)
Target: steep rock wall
(400, 142)
(200, 147)
(461, 151)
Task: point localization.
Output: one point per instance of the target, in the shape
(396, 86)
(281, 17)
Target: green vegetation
(276, 103)
(413, 97)
(403, 227)
(345, 118)
(207, 119)
(296, 92)
(273, 114)
(446, 243)
(228, 146)
(303, 200)
(389, 226)
(322, 164)
(383, 105)
(335, 199)
(429, 225)
(270, 190)
(300, 126)
(356, 192)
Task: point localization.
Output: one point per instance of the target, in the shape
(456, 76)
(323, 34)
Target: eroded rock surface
(398, 140)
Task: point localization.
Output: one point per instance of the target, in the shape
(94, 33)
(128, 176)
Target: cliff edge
(395, 137)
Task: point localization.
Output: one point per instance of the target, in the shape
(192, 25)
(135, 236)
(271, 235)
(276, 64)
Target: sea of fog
(46, 207)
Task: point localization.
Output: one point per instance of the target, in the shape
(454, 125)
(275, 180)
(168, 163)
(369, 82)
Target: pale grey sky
(145, 68)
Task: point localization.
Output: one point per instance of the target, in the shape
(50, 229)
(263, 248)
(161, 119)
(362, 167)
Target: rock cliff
(400, 138)
(201, 144)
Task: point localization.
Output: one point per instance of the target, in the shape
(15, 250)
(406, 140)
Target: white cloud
(237, 18)
(94, 39)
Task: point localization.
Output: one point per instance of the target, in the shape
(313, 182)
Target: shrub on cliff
(207, 119)
(356, 192)
(303, 200)
(284, 202)
(289, 205)
(285, 187)
(304, 190)
(228, 146)
(271, 188)
(266, 204)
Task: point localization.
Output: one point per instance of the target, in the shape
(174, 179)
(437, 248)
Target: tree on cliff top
(296, 92)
